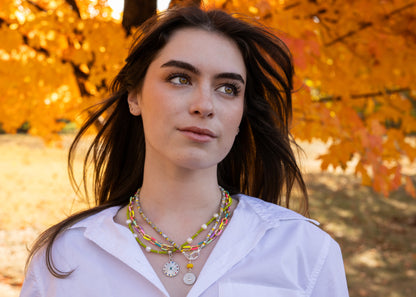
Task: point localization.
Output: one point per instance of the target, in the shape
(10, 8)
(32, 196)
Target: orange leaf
(410, 187)
(397, 179)
(409, 150)
(365, 178)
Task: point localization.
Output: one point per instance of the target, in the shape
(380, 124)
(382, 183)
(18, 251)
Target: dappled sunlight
(370, 258)
(376, 234)
(340, 229)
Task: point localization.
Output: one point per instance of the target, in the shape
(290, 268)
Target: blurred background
(354, 116)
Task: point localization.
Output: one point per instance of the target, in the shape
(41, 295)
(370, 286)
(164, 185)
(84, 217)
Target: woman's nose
(202, 104)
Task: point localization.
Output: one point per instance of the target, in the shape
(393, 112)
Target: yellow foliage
(39, 51)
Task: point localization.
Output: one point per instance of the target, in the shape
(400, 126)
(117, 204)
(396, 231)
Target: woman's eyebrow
(193, 69)
(181, 64)
(230, 75)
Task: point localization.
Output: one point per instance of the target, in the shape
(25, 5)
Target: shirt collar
(250, 221)
(269, 213)
(118, 241)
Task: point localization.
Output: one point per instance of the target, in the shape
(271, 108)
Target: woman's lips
(198, 134)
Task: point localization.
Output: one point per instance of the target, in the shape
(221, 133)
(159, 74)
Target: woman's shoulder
(91, 228)
(80, 239)
(282, 224)
(270, 212)
(301, 256)
(287, 231)
(77, 237)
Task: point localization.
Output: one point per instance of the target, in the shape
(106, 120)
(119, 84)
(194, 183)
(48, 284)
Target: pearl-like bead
(148, 249)
(189, 240)
(128, 222)
(204, 226)
(216, 215)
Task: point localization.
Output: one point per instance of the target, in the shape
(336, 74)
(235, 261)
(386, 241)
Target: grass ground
(377, 235)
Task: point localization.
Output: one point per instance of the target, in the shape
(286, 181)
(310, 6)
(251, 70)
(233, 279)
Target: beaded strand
(133, 226)
(224, 207)
(165, 248)
(191, 253)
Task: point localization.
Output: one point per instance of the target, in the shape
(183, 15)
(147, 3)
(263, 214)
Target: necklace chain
(221, 221)
(224, 207)
(190, 252)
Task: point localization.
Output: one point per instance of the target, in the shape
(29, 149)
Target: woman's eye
(228, 90)
(180, 80)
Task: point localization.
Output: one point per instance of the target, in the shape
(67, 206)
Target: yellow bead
(189, 265)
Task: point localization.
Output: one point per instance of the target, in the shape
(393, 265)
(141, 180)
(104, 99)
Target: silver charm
(193, 255)
(189, 278)
(171, 269)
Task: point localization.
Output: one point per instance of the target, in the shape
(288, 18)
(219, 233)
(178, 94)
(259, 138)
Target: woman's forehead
(203, 48)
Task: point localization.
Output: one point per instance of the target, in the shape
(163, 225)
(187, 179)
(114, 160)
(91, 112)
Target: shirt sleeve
(30, 285)
(331, 281)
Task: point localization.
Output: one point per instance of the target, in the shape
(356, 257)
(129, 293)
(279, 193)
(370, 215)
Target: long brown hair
(261, 162)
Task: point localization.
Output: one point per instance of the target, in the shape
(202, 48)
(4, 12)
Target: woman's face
(192, 100)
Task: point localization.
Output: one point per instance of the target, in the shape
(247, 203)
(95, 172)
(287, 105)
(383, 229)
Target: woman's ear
(133, 101)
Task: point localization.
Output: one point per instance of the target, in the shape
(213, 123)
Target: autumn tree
(355, 80)
(354, 71)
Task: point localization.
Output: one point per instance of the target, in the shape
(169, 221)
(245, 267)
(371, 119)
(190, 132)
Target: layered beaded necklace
(190, 252)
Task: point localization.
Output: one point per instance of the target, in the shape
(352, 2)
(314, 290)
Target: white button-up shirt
(266, 250)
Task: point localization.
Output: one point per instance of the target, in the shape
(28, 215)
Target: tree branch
(398, 10)
(74, 7)
(350, 33)
(364, 95)
(38, 7)
(365, 25)
(381, 93)
(290, 6)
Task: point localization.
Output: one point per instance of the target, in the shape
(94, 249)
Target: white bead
(128, 222)
(135, 235)
(216, 215)
(204, 226)
(189, 240)
(148, 249)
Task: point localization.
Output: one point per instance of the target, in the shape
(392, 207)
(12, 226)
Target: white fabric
(266, 250)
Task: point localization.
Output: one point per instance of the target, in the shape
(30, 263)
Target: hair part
(261, 162)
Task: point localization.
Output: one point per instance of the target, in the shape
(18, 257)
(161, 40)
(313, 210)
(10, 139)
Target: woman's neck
(186, 197)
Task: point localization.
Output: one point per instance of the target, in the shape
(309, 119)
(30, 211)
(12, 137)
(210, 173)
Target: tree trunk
(178, 3)
(136, 12)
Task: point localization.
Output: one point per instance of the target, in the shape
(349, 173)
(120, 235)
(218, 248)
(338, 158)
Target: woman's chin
(198, 159)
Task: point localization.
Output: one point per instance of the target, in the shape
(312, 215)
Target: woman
(201, 110)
